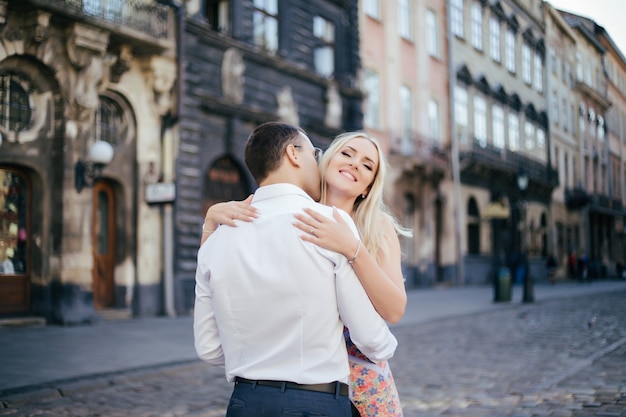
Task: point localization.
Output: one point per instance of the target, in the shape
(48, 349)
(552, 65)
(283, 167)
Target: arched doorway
(224, 181)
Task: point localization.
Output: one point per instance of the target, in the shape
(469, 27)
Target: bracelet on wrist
(207, 231)
(356, 253)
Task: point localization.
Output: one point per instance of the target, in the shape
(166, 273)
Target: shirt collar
(276, 190)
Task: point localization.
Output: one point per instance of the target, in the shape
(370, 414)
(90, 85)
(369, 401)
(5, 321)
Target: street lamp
(87, 172)
(522, 184)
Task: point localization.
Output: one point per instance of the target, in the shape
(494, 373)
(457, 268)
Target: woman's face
(353, 168)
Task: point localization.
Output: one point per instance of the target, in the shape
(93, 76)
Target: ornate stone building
(82, 84)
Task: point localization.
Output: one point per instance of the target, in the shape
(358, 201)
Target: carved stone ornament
(86, 49)
(233, 69)
(287, 108)
(333, 106)
(161, 81)
(124, 58)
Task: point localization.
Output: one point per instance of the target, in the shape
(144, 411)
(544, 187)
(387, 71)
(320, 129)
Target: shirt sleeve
(206, 335)
(369, 332)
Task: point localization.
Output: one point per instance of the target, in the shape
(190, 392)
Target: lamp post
(87, 172)
(522, 185)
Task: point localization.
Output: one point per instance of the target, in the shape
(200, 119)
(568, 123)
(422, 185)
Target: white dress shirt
(271, 306)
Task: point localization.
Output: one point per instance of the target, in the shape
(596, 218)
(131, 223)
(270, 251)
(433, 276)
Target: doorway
(103, 245)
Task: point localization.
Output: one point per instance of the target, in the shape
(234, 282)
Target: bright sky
(607, 13)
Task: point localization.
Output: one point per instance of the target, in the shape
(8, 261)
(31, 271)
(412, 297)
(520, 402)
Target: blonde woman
(353, 173)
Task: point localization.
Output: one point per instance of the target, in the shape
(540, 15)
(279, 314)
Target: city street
(563, 356)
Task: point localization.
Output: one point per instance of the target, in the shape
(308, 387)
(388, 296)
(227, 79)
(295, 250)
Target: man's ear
(292, 155)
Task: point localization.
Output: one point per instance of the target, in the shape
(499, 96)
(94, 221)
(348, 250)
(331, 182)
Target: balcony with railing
(480, 160)
(421, 148)
(146, 23)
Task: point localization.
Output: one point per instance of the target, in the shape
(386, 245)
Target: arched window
(224, 181)
(473, 227)
(15, 108)
(111, 123)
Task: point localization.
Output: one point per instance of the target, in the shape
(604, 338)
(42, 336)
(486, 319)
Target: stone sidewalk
(563, 355)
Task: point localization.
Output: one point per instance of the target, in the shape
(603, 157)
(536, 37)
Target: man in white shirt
(270, 307)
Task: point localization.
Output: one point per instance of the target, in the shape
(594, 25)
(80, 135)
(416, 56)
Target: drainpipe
(454, 150)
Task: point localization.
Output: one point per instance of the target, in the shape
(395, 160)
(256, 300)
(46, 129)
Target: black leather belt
(330, 388)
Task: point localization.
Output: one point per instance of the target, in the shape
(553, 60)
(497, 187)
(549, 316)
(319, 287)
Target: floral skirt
(372, 389)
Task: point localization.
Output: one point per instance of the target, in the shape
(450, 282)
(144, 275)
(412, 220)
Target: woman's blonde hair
(369, 211)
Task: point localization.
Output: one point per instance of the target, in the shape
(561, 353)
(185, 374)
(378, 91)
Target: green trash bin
(503, 285)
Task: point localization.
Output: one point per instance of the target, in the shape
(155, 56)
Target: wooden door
(103, 245)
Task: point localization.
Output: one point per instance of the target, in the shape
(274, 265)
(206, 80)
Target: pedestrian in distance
(353, 173)
(271, 307)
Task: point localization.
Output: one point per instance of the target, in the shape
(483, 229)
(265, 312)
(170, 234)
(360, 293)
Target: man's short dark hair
(266, 146)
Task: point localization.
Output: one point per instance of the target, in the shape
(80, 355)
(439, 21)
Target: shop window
(14, 192)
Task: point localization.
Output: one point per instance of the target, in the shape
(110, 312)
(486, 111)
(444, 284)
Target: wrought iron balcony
(131, 21)
(424, 148)
(576, 198)
(484, 161)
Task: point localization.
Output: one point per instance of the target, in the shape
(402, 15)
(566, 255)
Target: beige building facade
(404, 59)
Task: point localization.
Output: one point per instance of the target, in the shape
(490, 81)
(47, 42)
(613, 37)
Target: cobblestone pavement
(561, 358)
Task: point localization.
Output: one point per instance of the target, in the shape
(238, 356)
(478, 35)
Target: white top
(271, 306)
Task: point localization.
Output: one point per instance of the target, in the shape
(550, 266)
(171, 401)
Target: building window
(111, 122)
(565, 110)
(480, 120)
(265, 20)
(555, 108)
(582, 123)
(224, 181)
(432, 31)
(513, 132)
(372, 101)
(217, 15)
(588, 76)
(433, 120)
(477, 26)
(461, 113)
(579, 66)
(592, 123)
(473, 227)
(371, 7)
(13, 222)
(404, 18)
(552, 55)
(529, 136)
(509, 46)
(406, 101)
(456, 17)
(600, 128)
(494, 43)
(541, 138)
(538, 78)
(324, 52)
(526, 64)
(497, 118)
(15, 108)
